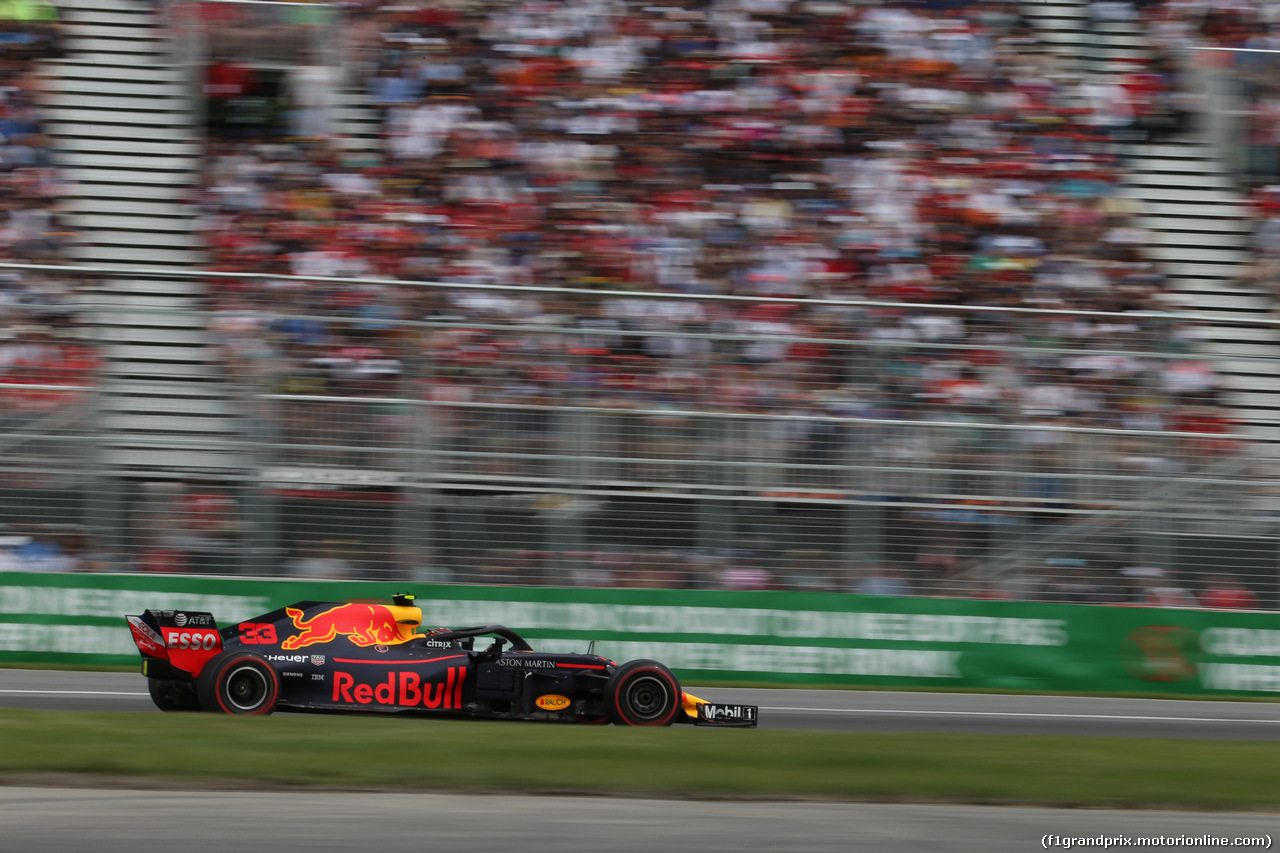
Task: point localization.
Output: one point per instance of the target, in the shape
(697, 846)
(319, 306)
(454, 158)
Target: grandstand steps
(1256, 353)
(142, 303)
(72, 87)
(1186, 196)
(1170, 246)
(127, 134)
(143, 224)
(152, 398)
(166, 99)
(152, 363)
(359, 126)
(130, 148)
(146, 240)
(157, 332)
(1235, 214)
(85, 205)
(121, 27)
(80, 69)
(1067, 29)
(1175, 233)
(1203, 257)
(133, 420)
(1200, 227)
(179, 288)
(183, 454)
(94, 20)
(103, 193)
(128, 255)
(82, 114)
(1240, 303)
(160, 174)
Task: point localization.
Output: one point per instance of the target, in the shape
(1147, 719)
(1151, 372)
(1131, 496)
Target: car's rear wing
(174, 643)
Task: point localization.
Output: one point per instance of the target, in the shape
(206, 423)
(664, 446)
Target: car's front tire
(237, 682)
(642, 693)
(172, 695)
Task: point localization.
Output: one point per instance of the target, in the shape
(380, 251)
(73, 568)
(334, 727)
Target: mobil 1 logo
(719, 714)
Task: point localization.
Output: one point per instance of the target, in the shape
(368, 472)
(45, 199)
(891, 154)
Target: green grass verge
(416, 754)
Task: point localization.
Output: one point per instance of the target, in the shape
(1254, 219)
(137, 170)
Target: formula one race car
(374, 657)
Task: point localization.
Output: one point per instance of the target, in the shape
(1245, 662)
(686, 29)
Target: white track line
(73, 692)
(1136, 718)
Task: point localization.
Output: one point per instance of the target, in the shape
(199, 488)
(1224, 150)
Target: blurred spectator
(1224, 591)
(882, 580)
(1155, 589)
(1071, 582)
(925, 156)
(208, 525)
(43, 552)
(319, 560)
(9, 560)
(745, 571)
(39, 343)
(29, 29)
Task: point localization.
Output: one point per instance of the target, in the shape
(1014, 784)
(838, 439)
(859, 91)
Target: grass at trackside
(376, 752)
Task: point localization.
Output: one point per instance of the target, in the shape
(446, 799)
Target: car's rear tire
(172, 695)
(237, 682)
(642, 693)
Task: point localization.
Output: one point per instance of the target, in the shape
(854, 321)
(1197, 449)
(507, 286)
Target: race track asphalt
(826, 710)
(75, 820)
(62, 820)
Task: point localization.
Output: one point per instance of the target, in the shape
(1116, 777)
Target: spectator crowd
(881, 170)
(622, 180)
(39, 345)
(655, 164)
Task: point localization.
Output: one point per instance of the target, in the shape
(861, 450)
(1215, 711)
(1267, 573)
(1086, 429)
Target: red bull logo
(402, 689)
(363, 624)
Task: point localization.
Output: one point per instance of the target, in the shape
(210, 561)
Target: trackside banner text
(710, 636)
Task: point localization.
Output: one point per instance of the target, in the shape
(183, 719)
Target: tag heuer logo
(317, 660)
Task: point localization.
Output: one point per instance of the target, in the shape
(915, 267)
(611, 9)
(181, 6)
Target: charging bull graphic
(363, 624)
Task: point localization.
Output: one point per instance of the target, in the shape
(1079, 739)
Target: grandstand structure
(125, 116)
(1193, 206)
(125, 123)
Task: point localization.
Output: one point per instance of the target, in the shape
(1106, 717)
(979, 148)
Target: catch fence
(570, 437)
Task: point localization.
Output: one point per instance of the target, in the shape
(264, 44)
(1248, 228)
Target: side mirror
(495, 649)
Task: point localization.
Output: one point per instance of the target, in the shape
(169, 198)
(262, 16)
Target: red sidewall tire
(239, 683)
(643, 693)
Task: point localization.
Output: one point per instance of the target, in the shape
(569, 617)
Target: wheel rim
(648, 697)
(247, 688)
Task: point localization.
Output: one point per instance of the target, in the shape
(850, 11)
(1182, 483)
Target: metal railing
(464, 449)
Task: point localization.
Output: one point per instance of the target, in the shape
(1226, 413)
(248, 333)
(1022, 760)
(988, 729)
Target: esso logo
(552, 702)
(197, 640)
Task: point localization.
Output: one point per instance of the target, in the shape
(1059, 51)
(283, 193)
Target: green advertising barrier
(710, 636)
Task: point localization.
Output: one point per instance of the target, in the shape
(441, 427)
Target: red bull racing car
(376, 657)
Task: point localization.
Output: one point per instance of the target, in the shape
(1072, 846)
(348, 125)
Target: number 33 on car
(370, 656)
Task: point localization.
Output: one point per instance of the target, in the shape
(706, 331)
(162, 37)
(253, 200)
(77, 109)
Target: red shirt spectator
(1225, 592)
